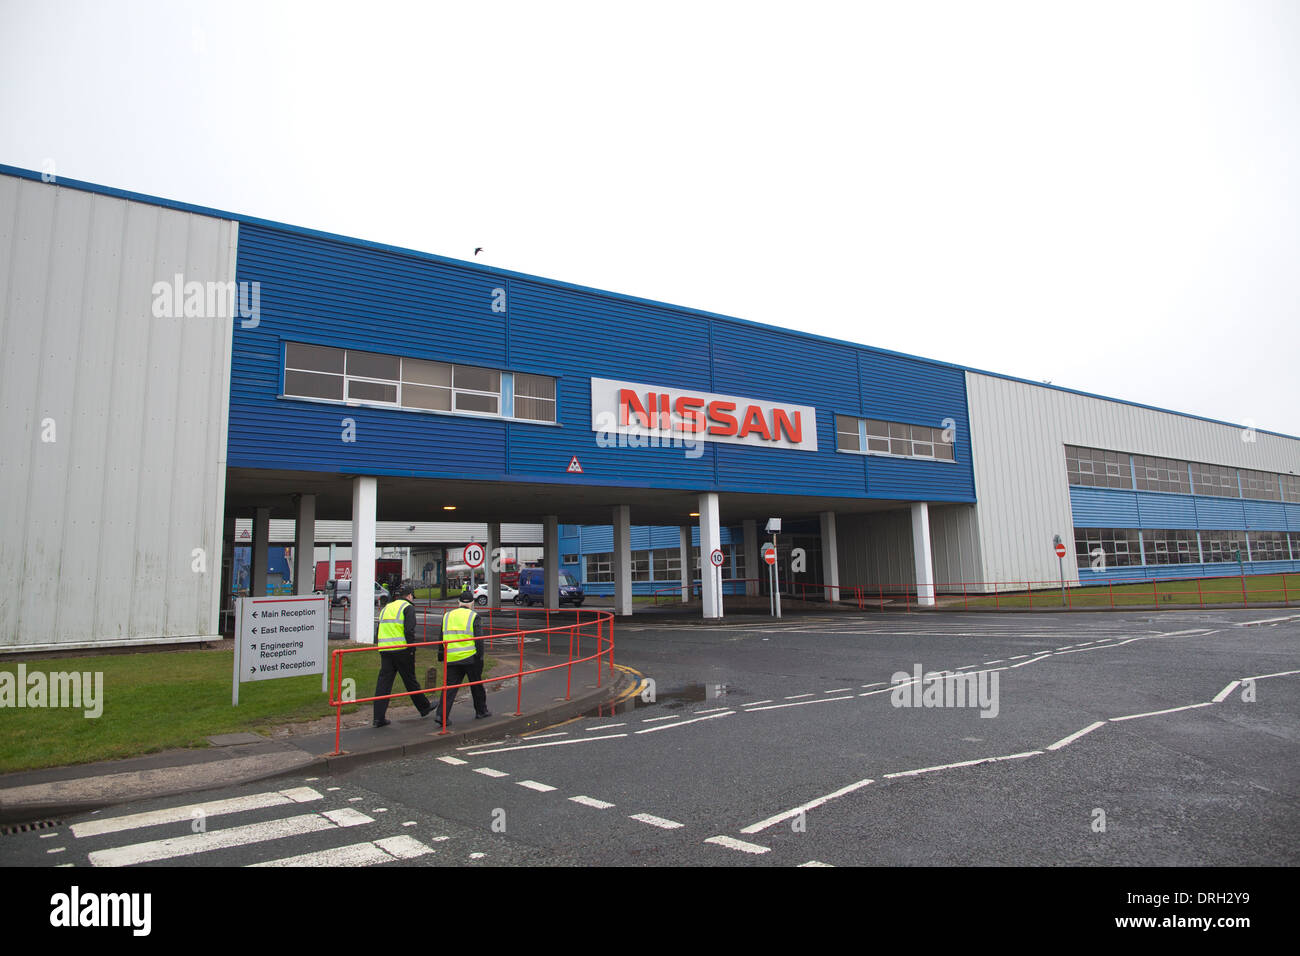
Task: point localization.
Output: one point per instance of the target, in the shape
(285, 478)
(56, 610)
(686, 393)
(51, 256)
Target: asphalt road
(783, 744)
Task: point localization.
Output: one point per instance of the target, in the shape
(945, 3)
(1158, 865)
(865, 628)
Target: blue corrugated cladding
(328, 291)
(1114, 508)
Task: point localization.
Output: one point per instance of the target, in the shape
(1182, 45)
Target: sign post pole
(1059, 546)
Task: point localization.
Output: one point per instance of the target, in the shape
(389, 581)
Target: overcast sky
(1103, 195)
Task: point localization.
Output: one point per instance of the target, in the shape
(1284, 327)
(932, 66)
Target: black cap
(404, 590)
(467, 596)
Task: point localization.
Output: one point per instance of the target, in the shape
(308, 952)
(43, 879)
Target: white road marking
(799, 703)
(654, 821)
(534, 785)
(212, 808)
(454, 761)
(732, 843)
(332, 789)
(57, 849)
(312, 779)
(816, 863)
(804, 807)
(962, 763)
(1278, 674)
(408, 823)
(354, 799)
(605, 726)
(838, 690)
(1268, 620)
(549, 743)
(797, 696)
(1222, 695)
(358, 854)
(711, 710)
(1031, 661)
(1000, 660)
(651, 720)
(46, 836)
(592, 802)
(559, 733)
(879, 683)
(755, 703)
(223, 839)
(683, 723)
(1156, 713)
(1066, 741)
(1017, 657)
(489, 772)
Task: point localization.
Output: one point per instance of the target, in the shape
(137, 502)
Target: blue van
(532, 586)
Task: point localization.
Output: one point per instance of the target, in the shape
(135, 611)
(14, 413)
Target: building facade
(169, 369)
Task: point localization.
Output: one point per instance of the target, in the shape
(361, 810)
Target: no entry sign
(474, 555)
(1060, 549)
(769, 553)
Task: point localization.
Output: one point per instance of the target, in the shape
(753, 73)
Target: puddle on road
(670, 699)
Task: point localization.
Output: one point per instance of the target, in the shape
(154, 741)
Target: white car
(341, 593)
(508, 594)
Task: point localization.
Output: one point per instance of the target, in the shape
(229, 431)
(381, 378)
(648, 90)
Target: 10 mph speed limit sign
(474, 555)
(717, 558)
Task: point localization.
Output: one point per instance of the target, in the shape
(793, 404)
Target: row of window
(659, 564)
(1096, 468)
(893, 438)
(1128, 547)
(346, 375)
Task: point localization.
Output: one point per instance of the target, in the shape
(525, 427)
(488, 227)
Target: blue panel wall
(1103, 508)
(328, 291)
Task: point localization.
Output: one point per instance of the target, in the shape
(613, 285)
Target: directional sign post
(774, 598)
(280, 637)
(1059, 547)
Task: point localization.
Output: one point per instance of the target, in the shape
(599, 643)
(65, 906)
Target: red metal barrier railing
(587, 622)
(676, 590)
(1120, 592)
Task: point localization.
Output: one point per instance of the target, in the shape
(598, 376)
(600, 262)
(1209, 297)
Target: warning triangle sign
(575, 466)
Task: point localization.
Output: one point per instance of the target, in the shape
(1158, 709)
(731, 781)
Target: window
(846, 434)
(1267, 545)
(348, 375)
(1259, 484)
(1291, 488)
(534, 397)
(569, 559)
(1215, 480)
(1295, 544)
(1221, 545)
(1170, 547)
(1118, 547)
(1161, 474)
(313, 371)
(600, 567)
(640, 565)
(900, 440)
(1096, 468)
(667, 564)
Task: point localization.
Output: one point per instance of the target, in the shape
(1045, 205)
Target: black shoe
(381, 723)
(486, 713)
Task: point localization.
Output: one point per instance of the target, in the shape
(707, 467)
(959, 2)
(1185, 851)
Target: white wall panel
(111, 512)
(1018, 433)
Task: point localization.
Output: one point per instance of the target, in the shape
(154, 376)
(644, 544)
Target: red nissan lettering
(726, 423)
(690, 411)
(781, 422)
(629, 403)
(754, 423)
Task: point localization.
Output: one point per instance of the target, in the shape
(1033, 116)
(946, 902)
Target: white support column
(494, 559)
(259, 560)
(304, 546)
(622, 560)
(551, 560)
(684, 550)
(751, 559)
(710, 538)
(831, 557)
(361, 614)
(921, 554)
(334, 571)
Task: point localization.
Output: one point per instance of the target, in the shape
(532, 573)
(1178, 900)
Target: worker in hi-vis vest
(462, 629)
(396, 630)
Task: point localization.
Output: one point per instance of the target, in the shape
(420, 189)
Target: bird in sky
(477, 250)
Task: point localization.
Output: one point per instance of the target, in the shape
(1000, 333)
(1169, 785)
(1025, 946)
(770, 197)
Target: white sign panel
(280, 637)
(663, 414)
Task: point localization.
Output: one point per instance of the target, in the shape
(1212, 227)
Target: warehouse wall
(112, 421)
(1019, 431)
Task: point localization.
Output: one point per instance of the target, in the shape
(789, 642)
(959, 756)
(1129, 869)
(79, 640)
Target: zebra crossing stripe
(193, 843)
(213, 808)
(358, 854)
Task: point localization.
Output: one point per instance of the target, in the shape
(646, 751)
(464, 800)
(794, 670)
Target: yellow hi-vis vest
(392, 630)
(458, 628)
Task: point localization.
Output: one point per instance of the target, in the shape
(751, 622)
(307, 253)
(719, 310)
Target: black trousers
(469, 669)
(391, 664)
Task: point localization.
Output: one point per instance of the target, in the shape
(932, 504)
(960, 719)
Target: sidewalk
(234, 759)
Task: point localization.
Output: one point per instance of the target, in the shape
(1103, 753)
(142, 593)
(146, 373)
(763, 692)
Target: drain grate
(30, 827)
